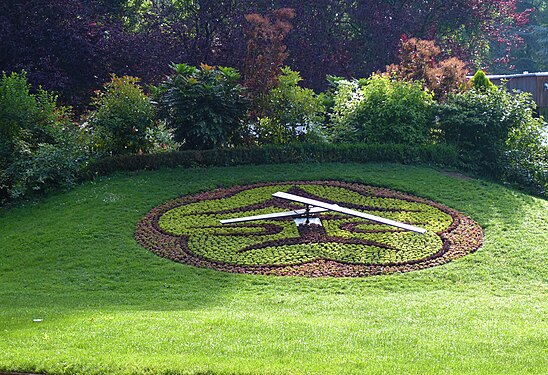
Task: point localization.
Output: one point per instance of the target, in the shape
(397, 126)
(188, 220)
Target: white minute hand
(348, 211)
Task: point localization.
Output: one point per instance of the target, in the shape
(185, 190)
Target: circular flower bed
(188, 230)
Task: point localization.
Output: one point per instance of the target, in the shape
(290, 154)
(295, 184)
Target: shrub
(46, 166)
(381, 110)
(23, 115)
(162, 139)
(480, 81)
(419, 62)
(205, 106)
(439, 154)
(449, 77)
(346, 96)
(526, 155)
(478, 123)
(123, 118)
(39, 146)
(496, 133)
(266, 50)
(292, 113)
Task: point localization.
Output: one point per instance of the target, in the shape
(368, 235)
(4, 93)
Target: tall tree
(534, 54)
(320, 43)
(71, 46)
(266, 49)
(463, 28)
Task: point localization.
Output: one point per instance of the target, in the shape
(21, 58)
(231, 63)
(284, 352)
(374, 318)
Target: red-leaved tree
(266, 49)
(419, 61)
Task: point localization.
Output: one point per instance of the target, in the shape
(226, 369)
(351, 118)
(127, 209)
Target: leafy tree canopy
(72, 46)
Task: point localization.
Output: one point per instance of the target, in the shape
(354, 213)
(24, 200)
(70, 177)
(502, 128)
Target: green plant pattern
(188, 230)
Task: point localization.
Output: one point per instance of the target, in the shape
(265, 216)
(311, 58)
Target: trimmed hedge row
(273, 154)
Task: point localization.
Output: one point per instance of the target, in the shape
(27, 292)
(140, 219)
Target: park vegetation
(419, 99)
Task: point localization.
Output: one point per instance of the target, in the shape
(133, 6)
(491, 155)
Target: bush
(345, 97)
(381, 110)
(123, 119)
(480, 81)
(526, 155)
(205, 106)
(419, 62)
(438, 154)
(39, 146)
(162, 139)
(46, 166)
(496, 133)
(292, 113)
(266, 51)
(22, 116)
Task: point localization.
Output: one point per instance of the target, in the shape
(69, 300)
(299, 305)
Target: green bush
(123, 119)
(526, 155)
(23, 116)
(46, 166)
(39, 146)
(381, 110)
(437, 154)
(291, 113)
(496, 132)
(346, 96)
(205, 107)
(480, 81)
(162, 138)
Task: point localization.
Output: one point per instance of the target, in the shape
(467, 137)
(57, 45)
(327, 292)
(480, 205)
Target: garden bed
(187, 230)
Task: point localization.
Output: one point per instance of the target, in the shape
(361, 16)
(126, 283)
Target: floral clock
(188, 230)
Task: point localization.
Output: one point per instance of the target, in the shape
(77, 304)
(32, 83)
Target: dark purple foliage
(67, 47)
(53, 41)
(71, 46)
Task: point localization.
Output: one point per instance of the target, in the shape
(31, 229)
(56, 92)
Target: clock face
(188, 230)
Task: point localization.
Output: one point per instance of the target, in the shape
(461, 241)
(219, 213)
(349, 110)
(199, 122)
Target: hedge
(437, 154)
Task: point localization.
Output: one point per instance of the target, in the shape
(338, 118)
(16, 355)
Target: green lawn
(110, 306)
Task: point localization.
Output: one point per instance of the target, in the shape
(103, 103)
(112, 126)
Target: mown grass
(110, 306)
